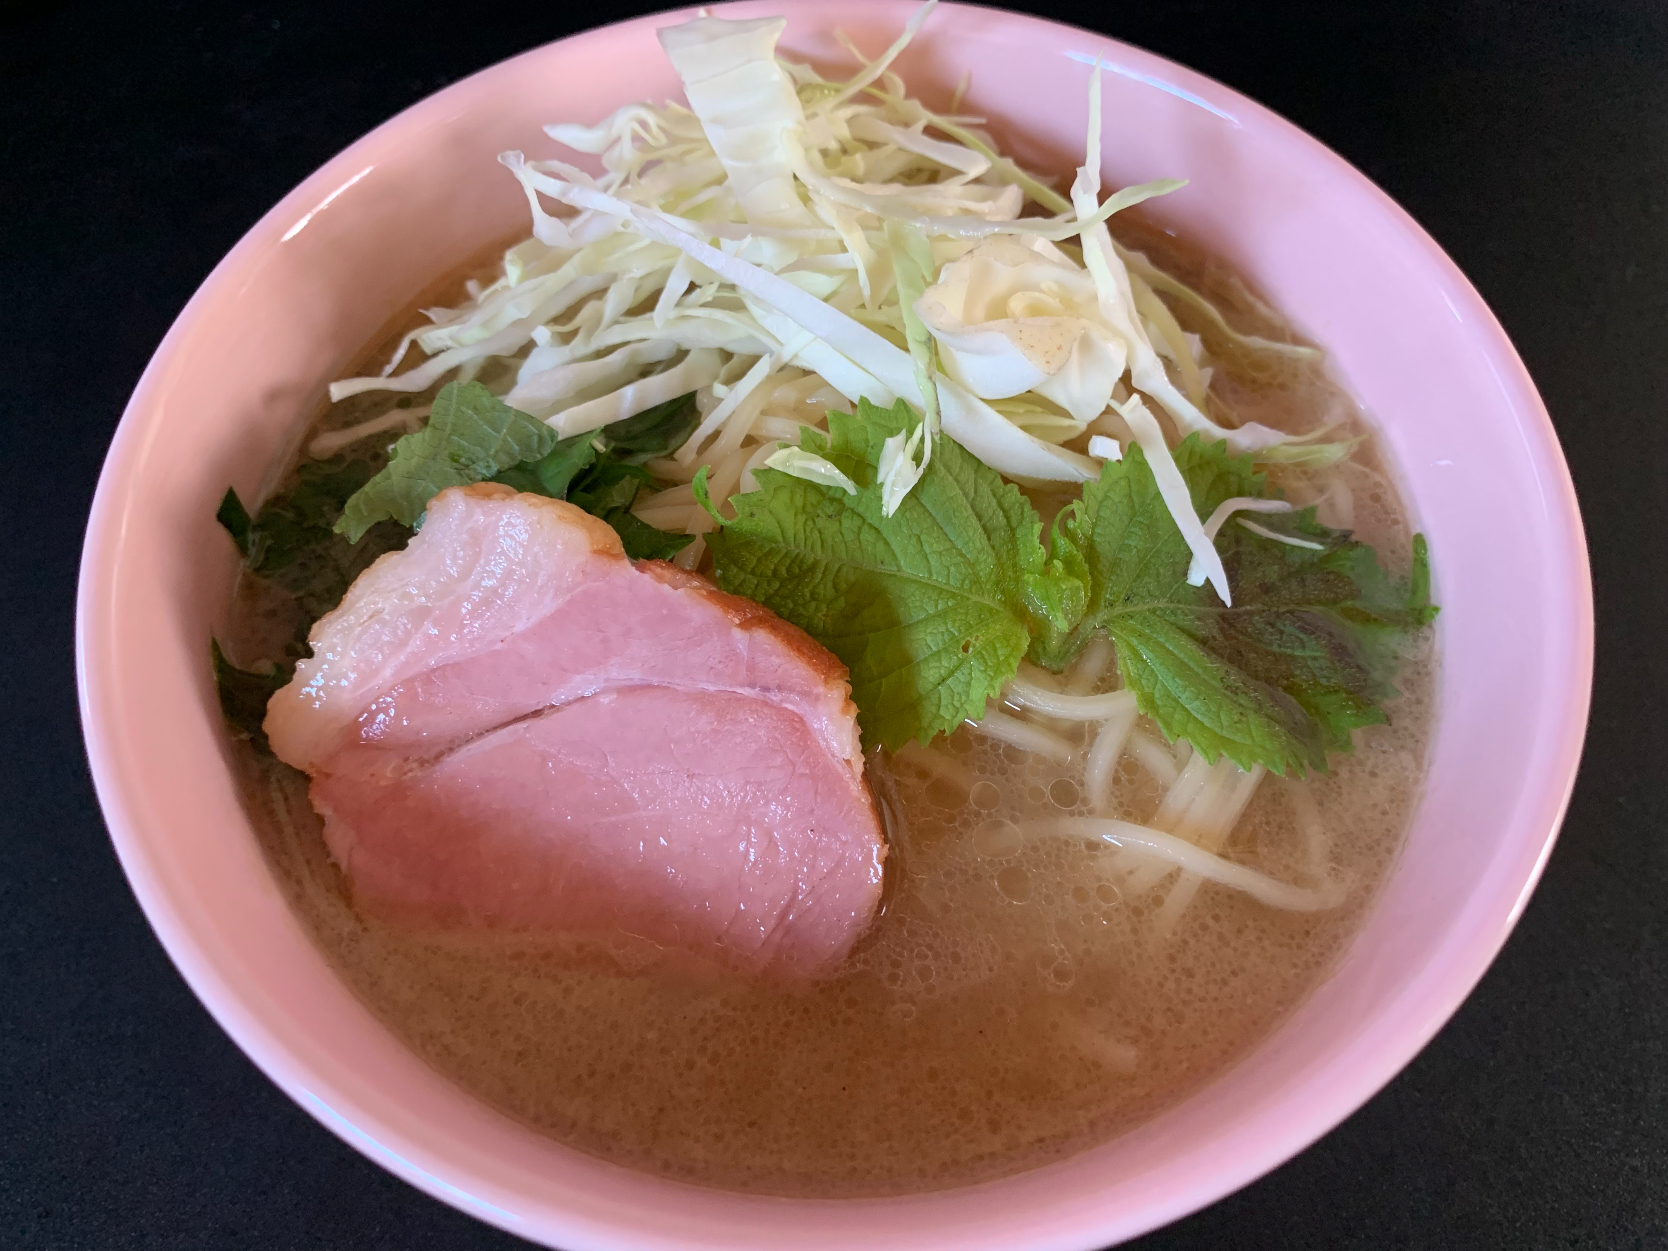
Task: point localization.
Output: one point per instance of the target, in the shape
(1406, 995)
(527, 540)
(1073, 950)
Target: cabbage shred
(768, 247)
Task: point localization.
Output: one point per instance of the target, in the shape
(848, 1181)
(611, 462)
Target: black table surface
(138, 143)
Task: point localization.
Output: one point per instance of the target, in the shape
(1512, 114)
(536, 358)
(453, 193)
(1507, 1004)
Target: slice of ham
(510, 725)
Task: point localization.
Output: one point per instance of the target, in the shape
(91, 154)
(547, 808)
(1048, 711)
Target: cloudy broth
(1020, 997)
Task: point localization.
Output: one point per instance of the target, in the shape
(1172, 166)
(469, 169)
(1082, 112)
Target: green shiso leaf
(471, 436)
(235, 517)
(1305, 655)
(294, 541)
(931, 608)
(602, 472)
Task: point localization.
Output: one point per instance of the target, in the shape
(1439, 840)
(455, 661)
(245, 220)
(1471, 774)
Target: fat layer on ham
(510, 725)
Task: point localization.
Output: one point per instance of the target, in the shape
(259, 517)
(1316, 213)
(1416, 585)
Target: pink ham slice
(510, 725)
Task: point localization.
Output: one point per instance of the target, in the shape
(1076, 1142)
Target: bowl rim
(385, 1144)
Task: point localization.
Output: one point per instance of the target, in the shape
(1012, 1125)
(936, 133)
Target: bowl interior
(317, 278)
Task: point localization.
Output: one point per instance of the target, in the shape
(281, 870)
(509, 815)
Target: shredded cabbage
(748, 108)
(1219, 516)
(781, 242)
(799, 463)
(1103, 448)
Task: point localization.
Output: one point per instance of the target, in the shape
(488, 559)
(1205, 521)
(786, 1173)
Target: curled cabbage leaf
(1010, 319)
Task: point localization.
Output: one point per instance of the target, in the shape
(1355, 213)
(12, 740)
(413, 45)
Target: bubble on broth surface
(997, 837)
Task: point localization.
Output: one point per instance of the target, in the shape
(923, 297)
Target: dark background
(137, 143)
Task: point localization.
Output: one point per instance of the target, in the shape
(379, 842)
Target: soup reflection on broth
(1082, 918)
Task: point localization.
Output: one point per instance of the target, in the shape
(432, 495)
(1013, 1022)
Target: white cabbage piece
(959, 157)
(1117, 308)
(971, 422)
(1010, 319)
(540, 392)
(1037, 416)
(798, 463)
(874, 70)
(912, 271)
(850, 379)
(888, 199)
(730, 400)
(612, 138)
(1172, 488)
(965, 210)
(1290, 540)
(900, 468)
(1117, 304)
(505, 341)
(1227, 508)
(1101, 447)
(748, 108)
(700, 368)
(1001, 168)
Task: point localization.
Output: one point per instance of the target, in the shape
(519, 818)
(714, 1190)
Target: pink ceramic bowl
(323, 272)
